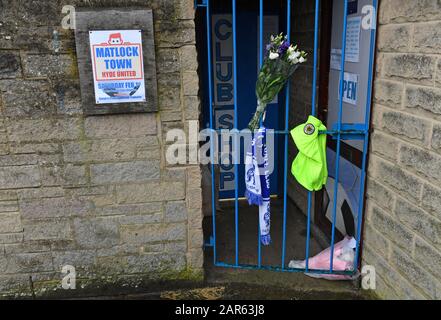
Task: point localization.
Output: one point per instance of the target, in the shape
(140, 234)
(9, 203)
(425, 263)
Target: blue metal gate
(339, 132)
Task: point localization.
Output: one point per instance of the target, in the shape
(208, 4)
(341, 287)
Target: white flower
(294, 60)
(295, 55)
(301, 60)
(273, 55)
(291, 49)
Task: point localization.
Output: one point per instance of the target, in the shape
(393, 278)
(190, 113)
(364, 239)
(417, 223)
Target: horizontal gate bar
(275, 268)
(329, 132)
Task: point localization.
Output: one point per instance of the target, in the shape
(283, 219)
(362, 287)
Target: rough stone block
(138, 171)
(8, 206)
(192, 106)
(8, 195)
(388, 93)
(175, 211)
(398, 179)
(155, 262)
(29, 262)
(139, 234)
(169, 91)
(19, 177)
(10, 65)
(51, 66)
(100, 150)
(190, 80)
(80, 259)
(427, 37)
(429, 256)
(37, 148)
(394, 38)
(10, 222)
(416, 274)
(398, 11)
(425, 98)
(377, 241)
(195, 238)
(174, 34)
(11, 238)
(154, 191)
(185, 9)
(419, 221)
(121, 126)
(398, 287)
(438, 73)
(431, 200)
(48, 229)
(385, 145)
(41, 130)
(423, 162)
(168, 61)
(54, 207)
(188, 58)
(27, 98)
(74, 175)
(195, 260)
(414, 67)
(96, 232)
(406, 125)
(141, 219)
(393, 229)
(436, 137)
(380, 195)
(130, 209)
(68, 97)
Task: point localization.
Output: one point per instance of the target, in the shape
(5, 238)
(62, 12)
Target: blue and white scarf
(258, 183)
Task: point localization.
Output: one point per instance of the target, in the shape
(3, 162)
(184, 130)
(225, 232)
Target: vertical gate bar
(285, 161)
(367, 120)
(340, 111)
(313, 112)
(259, 245)
(236, 168)
(314, 76)
(210, 94)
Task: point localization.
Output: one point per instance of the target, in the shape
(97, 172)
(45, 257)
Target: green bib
(309, 167)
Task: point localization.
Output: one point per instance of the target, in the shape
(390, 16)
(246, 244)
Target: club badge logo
(309, 129)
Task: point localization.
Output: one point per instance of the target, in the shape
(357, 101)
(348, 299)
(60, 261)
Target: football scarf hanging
(258, 183)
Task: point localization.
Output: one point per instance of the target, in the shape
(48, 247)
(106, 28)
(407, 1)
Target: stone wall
(402, 235)
(93, 192)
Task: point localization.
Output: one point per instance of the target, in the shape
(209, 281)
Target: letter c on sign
(217, 29)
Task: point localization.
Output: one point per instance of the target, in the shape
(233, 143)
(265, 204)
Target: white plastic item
(344, 255)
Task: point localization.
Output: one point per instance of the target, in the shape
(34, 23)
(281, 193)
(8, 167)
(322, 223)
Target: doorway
(228, 80)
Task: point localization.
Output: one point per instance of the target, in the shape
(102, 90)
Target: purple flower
(284, 47)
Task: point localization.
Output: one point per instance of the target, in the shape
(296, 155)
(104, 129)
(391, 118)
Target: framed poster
(117, 64)
(116, 60)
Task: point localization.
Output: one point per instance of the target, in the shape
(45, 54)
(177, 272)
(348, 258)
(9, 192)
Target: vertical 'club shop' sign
(117, 63)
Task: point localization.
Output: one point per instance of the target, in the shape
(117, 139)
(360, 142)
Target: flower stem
(255, 121)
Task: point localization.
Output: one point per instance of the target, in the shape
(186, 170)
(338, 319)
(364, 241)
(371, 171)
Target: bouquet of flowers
(281, 61)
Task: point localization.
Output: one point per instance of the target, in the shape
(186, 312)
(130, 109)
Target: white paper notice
(353, 39)
(336, 59)
(117, 63)
(352, 44)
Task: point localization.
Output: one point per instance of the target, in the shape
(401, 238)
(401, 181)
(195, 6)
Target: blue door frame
(339, 132)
